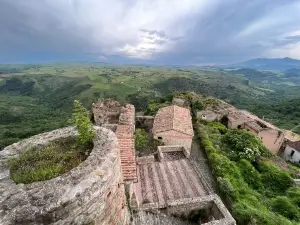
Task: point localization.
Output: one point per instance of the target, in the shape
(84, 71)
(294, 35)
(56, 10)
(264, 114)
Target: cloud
(156, 31)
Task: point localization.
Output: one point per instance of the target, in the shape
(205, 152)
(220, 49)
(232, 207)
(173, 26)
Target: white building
(292, 152)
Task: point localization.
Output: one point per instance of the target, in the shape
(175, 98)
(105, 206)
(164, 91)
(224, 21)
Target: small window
(239, 126)
(160, 138)
(292, 153)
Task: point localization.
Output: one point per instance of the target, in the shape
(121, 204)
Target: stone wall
(173, 137)
(213, 203)
(106, 112)
(144, 122)
(171, 148)
(91, 193)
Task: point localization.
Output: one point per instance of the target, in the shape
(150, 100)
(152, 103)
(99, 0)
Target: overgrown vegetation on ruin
(255, 190)
(80, 119)
(145, 144)
(58, 157)
(43, 164)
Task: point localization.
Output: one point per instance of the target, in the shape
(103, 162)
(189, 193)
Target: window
(239, 126)
(292, 153)
(160, 138)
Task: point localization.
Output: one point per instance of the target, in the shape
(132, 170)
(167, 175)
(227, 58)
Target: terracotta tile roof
(128, 162)
(173, 118)
(125, 134)
(124, 131)
(254, 117)
(295, 145)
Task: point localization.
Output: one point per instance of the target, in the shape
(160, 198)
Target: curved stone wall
(91, 193)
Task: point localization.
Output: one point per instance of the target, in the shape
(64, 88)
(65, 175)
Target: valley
(35, 98)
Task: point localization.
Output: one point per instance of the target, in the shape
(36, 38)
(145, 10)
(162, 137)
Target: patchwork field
(37, 98)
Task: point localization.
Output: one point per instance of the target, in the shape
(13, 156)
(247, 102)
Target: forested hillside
(37, 98)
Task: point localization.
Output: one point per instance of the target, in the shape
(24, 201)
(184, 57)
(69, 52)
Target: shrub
(247, 205)
(283, 206)
(210, 101)
(197, 105)
(242, 144)
(275, 180)
(294, 194)
(250, 174)
(218, 126)
(84, 126)
(141, 139)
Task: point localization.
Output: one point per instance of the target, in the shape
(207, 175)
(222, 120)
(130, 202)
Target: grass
(254, 195)
(43, 164)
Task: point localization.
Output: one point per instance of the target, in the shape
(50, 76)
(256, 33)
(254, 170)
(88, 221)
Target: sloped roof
(125, 134)
(173, 118)
(295, 145)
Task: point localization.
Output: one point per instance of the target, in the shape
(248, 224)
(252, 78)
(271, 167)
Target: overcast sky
(151, 31)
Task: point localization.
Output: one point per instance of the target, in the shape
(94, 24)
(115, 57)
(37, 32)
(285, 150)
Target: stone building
(292, 151)
(207, 115)
(236, 119)
(173, 126)
(271, 136)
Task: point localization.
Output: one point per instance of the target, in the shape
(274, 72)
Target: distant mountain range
(268, 64)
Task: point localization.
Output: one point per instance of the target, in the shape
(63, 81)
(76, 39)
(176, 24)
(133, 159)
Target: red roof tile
(125, 134)
(173, 118)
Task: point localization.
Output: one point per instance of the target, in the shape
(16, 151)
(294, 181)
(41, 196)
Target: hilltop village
(178, 181)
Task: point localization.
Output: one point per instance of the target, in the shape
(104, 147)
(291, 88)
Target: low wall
(91, 193)
(145, 159)
(211, 202)
(171, 148)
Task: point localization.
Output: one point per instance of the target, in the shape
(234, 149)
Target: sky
(164, 32)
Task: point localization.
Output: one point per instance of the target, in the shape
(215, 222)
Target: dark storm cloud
(212, 31)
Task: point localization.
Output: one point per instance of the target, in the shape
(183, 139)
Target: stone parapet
(145, 159)
(90, 193)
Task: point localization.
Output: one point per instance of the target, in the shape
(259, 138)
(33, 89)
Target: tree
(242, 144)
(141, 139)
(80, 119)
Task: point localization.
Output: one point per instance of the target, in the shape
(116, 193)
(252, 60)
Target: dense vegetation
(255, 190)
(38, 98)
(145, 144)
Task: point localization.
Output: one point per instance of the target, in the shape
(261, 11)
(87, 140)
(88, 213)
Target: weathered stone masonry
(91, 193)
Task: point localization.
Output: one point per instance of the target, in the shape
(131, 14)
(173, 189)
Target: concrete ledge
(149, 206)
(171, 148)
(212, 202)
(145, 159)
